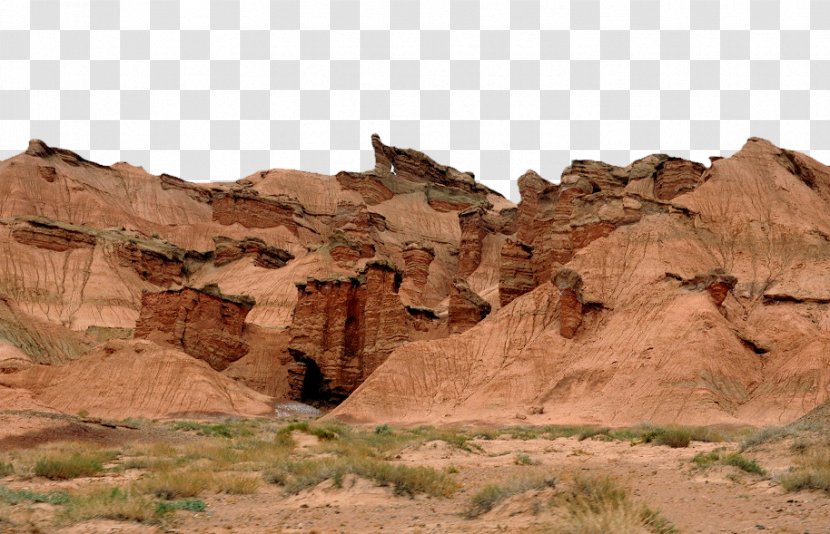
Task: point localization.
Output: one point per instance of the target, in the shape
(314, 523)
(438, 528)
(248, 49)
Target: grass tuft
(812, 470)
(492, 495)
(6, 469)
(112, 503)
(599, 505)
(735, 459)
(298, 475)
(57, 466)
(17, 496)
(523, 459)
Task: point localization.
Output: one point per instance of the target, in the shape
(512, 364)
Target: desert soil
(715, 499)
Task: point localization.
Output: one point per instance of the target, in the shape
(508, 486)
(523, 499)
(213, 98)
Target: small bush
(16, 496)
(111, 503)
(766, 435)
(523, 459)
(674, 437)
(296, 476)
(485, 500)
(188, 505)
(599, 505)
(62, 467)
(706, 459)
(214, 430)
(6, 469)
(493, 494)
(237, 484)
(383, 430)
(592, 432)
(326, 432)
(744, 464)
(812, 471)
(170, 485)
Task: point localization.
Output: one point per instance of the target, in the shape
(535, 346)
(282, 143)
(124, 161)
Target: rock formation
(569, 284)
(661, 290)
(201, 322)
(467, 308)
(343, 328)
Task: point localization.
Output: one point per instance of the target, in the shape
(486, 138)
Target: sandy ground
(715, 499)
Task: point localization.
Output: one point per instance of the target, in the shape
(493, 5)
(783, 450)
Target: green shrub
(297, 475)
(592, 432)
(383, 430)
(706, 459)
(523, 459)
(485, 500)
(744, 464)
(16, 496)
(6, 469)
(674, 437)
(63, 466)
(188, 505)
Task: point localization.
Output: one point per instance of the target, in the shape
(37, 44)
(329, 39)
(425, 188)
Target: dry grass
(492, 495)
(6, 469)
(600, 505)
(111, 503)
(735, 459)
(297, 475)
(811, 470)
(177, 484)
(237, 483)
(66, 466)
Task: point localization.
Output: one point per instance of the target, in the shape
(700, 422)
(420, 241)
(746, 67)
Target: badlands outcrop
(662, 291)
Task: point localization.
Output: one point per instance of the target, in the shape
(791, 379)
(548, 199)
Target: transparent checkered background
(218, 89)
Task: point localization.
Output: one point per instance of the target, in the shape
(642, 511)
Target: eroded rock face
(204, 323)
(42, 233)
(473, 231)
(516, 276)
(676, 176)
(417, 259)
(157, 265)
(229, 250)
(467, 308)
(569, 283)
(717, 282)
(251, 210)
(342, 329)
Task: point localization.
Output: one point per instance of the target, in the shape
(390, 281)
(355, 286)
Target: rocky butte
(664, 290)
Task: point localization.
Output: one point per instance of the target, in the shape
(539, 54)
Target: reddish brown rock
(676, 176)
(417, 259)
(229, 250)
(473, 232)
(251, 210)
(342, 329)
(516, 276)
(43, 233)
(48, 173)
(202, 322)
(200, 194)
(159, 265)
(569, 283)
(466, 308)
(717, 282)
(347, 248)
(368, 186)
